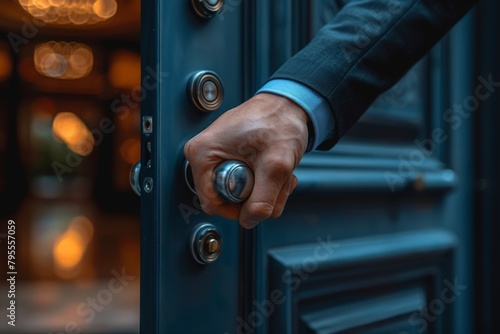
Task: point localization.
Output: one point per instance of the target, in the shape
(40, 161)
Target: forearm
(366, 48)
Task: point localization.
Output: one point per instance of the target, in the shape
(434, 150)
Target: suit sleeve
(365, 49)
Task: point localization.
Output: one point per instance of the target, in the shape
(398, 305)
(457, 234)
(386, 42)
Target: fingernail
(291, 186)
(249, 224)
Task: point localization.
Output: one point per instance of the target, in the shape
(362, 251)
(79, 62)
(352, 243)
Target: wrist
(291, 111)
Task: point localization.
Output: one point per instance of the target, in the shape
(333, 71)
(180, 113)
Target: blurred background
(69, 134)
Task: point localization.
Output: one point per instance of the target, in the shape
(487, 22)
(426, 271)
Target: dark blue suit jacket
(366, 48)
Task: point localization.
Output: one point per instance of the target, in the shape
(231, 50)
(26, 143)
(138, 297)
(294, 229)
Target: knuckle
(188, 148)
(194, 146)
(280, 169)
(259, 211)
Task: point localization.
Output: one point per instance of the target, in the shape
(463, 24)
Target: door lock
(233, 180)
(206, 91)
(207, 8)
(205, 243)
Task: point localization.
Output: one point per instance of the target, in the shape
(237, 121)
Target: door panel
(367, 241)
(356, 285)
(178, 294)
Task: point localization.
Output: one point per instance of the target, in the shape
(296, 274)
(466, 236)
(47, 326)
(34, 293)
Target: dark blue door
(376, 236)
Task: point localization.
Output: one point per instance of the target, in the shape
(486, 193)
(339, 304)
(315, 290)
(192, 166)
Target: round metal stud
(207, 8)
(206, 91)
(205, 243)
(147, 184)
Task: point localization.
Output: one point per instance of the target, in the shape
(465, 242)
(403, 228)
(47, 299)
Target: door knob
(134, 178)
(207, 8)
(233, 180)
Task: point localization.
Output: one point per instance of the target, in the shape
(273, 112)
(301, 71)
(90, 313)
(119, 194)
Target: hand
(269, 133)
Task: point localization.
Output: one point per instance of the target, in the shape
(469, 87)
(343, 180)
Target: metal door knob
(233, 180)
(134, 178)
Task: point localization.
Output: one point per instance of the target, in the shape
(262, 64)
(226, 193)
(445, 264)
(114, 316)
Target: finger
(283, 196)
(270, 177)
(202, 166)
(210, 202)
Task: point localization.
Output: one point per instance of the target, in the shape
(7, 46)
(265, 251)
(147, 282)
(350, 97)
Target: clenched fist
(269, 133)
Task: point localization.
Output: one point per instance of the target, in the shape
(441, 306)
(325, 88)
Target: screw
(148, 184)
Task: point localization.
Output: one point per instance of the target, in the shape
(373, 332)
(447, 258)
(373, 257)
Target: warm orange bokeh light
(63, 60)
(5, 65)
(130, 150)
(70, 247)
(71, 11)
(105, 9)
(83, 226)
(71, 130)
(68, 250)
(125, 70)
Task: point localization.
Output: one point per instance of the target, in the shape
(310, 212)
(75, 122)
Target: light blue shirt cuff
(315, 105)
